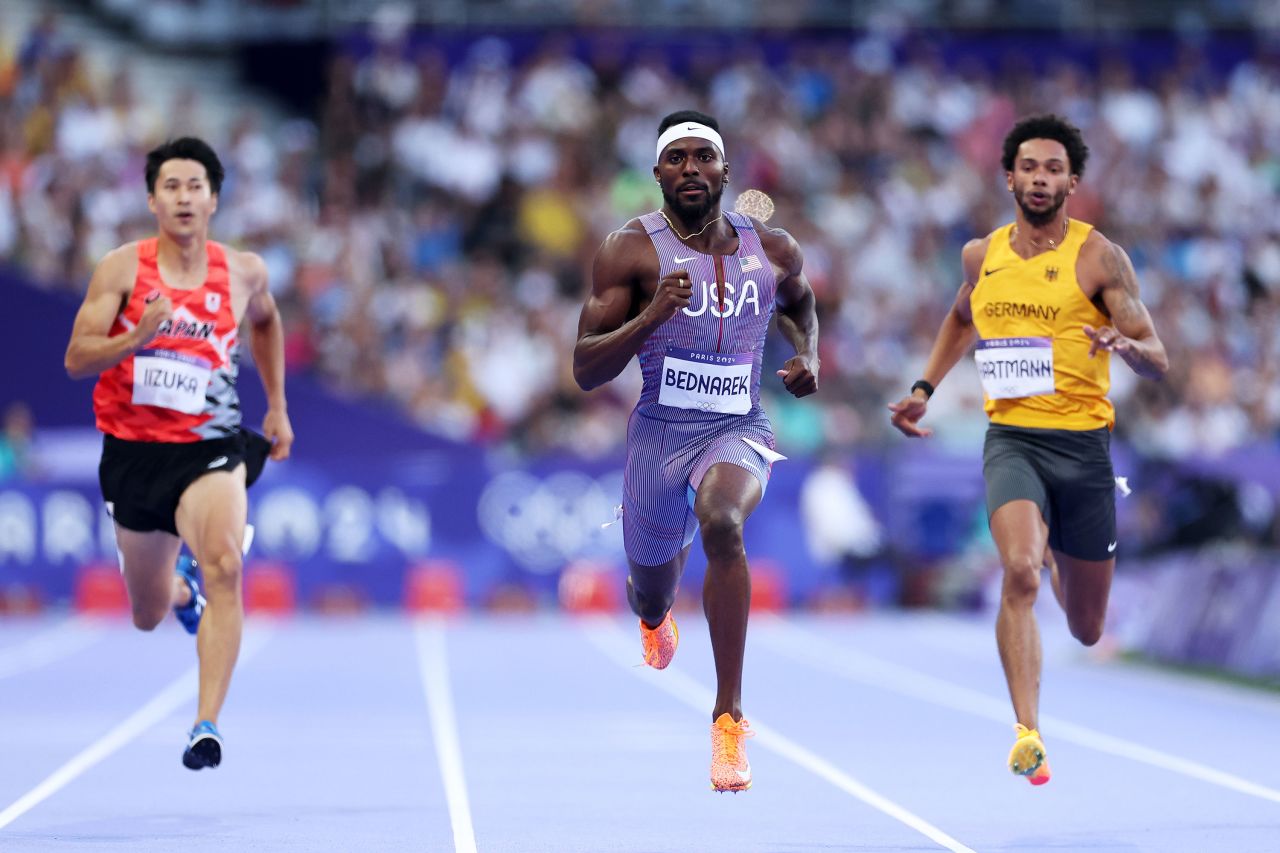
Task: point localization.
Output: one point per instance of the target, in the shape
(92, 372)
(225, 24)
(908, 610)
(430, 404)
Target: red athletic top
(182, 386)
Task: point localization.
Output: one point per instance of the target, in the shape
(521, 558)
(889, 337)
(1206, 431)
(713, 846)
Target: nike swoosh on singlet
(684, 260)
(994, 271)
(217, 463)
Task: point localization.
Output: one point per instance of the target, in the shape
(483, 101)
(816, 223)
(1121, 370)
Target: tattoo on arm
(1130, 317)
(1122, 282)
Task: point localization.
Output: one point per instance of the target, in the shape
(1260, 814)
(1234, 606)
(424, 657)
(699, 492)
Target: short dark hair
(688, 115)
(1048, 126)
(185, 148)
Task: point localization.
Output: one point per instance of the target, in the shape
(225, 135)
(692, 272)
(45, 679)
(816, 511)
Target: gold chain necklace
(691, 236)
(1053, 244)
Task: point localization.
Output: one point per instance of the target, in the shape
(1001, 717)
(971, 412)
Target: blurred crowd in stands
(430, 228)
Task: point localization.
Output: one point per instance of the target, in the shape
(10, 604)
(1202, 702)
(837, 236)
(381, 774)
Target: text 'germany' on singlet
(1033, 355)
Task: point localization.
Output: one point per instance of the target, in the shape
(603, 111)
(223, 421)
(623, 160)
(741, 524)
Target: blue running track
(878, 733)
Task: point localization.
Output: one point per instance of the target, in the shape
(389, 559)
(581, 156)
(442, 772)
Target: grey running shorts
(1067, 473)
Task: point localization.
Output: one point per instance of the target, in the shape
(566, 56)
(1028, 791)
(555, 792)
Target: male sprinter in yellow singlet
(1047, 299)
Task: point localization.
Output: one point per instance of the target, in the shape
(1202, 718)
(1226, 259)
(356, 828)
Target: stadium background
(429, 182)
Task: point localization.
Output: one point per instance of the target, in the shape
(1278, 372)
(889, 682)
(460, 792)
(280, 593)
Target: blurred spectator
(16, 460)
(839, 525)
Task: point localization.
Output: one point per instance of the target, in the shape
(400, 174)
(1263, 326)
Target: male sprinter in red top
(160, 324)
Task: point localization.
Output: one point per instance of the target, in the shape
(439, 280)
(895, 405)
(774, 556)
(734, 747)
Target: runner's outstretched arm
(956, 336)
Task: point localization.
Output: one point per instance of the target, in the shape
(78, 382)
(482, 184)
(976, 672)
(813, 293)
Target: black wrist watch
(922, 385)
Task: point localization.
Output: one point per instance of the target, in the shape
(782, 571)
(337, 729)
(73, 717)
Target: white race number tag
(1015, 367)
(707, 381)
(170, 380)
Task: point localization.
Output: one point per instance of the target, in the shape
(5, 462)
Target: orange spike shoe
(730, 770)
(660, 643)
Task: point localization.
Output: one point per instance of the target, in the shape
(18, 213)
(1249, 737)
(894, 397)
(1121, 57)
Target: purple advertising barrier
(360, 523)
(1219, 607)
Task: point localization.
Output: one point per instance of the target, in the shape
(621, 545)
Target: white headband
(689, 128)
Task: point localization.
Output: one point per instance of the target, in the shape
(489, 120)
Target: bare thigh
(212, 514)
(147, 563)
(1020, 534)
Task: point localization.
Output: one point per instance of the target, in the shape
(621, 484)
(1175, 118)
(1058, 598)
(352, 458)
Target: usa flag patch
(749, 263)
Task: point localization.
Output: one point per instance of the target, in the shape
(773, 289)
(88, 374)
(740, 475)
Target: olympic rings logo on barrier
(544, 523)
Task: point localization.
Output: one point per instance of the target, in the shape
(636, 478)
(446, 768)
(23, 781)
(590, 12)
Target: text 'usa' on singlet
(705, 361)
(1033, 355)
(181, 387)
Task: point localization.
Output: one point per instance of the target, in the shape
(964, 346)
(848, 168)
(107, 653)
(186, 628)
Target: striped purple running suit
(671, 447)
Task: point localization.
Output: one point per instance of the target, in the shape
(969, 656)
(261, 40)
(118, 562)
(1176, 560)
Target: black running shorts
(142, 481)
(1067, 473)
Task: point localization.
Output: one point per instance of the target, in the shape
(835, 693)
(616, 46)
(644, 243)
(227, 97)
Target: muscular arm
(266, 340)
(1132, 334)
(797, 312)
(266, 329)
(91, 349)
(608, 335)
(956, 336)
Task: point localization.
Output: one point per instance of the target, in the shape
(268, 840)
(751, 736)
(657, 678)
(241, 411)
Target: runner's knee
(222, 570)
(1022, 578)
(721, 530)
(651, 605)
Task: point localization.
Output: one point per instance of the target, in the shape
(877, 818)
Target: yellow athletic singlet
(1033, 355)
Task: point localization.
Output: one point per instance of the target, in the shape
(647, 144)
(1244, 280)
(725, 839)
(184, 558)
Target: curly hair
(1047, 126)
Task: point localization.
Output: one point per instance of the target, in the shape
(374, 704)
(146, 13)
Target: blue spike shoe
(204, 747)
(190, 613)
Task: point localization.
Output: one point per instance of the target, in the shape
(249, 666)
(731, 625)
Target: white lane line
(182, 689)
(624, 650)
(433, 661)
(816, 651)
(60, 641)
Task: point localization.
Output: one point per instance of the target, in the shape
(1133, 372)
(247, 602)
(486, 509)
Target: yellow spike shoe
(1027, 758)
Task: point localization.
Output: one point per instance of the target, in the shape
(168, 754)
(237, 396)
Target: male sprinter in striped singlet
(690, 291)
(160, 324)
(1047, 299)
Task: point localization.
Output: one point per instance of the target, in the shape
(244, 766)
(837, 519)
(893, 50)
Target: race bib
(1015, 367)
(707, 381)
(170, 380)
